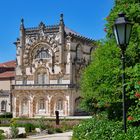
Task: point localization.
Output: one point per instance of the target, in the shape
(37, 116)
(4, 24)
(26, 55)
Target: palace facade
(49, 62)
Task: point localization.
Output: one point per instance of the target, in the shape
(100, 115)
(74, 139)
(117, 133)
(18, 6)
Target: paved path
(58, 136)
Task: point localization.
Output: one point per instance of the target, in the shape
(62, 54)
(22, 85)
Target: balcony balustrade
(43, 86)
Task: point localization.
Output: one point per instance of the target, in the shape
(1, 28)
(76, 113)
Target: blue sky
(83, 16)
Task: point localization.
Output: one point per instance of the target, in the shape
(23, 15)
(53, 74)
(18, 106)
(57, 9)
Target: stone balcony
(43, 86)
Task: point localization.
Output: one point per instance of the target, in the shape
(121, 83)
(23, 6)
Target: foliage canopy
(101, 84)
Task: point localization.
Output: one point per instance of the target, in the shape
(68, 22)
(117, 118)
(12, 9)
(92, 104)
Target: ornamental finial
(61, 19)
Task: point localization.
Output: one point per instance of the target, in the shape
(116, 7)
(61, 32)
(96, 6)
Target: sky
(83, 16)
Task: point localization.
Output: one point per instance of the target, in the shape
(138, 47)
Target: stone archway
(25, 107)
(77, 110)
(40, 105)
(59, 103)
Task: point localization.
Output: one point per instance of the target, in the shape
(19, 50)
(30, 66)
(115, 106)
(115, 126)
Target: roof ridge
(76, 34)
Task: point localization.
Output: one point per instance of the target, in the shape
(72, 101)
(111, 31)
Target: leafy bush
(14, 130)
(1, 131)
(29, 127)
(134, 110)
(58, 130)
(51, 131)
(103, 129)
(115, 111)
(2, 137)
(41, 123)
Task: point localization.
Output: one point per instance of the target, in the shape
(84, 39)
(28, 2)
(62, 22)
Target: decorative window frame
(79, 52)
(44, 76)
(3, 105)
(25, 106)
(60, 104)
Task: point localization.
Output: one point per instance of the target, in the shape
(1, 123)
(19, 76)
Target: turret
(22, 33)
(22, 40)
(61, 29)
(62, 39)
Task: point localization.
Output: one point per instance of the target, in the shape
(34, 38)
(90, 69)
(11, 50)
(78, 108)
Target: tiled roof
(68, 30)
(8, 64)
(77, 35)
(55, 28)
(7, 74)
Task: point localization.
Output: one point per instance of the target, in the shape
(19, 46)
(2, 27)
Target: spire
(61, 19)
(22, 33)
(22, 24)
(62, 39)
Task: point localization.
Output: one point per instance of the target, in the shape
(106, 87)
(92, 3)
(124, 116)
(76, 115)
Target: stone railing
(43, 86)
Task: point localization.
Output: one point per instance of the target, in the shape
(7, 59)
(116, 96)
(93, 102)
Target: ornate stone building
(49, 61)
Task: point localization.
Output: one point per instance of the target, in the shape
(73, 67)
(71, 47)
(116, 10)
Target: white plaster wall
(5, 84)
(18, 82)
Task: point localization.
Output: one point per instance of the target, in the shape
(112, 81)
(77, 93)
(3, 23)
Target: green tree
(101, 84)
(132, 10)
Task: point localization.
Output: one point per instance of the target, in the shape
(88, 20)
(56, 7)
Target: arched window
(41, 104)
(43, 53)
(91, 50)
(25, 106)
(59, 80)
(78, 52)
(3, 106)
(39, 78)
(42, 78)
(77, 103)
(59, 104)
(45, 79)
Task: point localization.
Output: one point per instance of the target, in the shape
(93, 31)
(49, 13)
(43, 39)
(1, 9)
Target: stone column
(36, 106)
(46, 107)
(67, 113)
(65, 109)
(31, 107)
(68, 106)
(49, 106)
(20, 110)
(14, 107)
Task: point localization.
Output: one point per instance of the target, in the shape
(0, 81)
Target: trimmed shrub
(4, 125)
(6, 115)
(58, 130)
(29, 127)
(51, 131)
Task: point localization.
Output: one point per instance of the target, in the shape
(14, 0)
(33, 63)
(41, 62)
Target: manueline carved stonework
(43, 84)
(35, 44)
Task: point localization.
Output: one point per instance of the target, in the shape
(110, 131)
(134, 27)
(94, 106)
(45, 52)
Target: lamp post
(122, 31)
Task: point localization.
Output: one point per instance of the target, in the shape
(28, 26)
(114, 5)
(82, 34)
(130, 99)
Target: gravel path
(58, 136)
